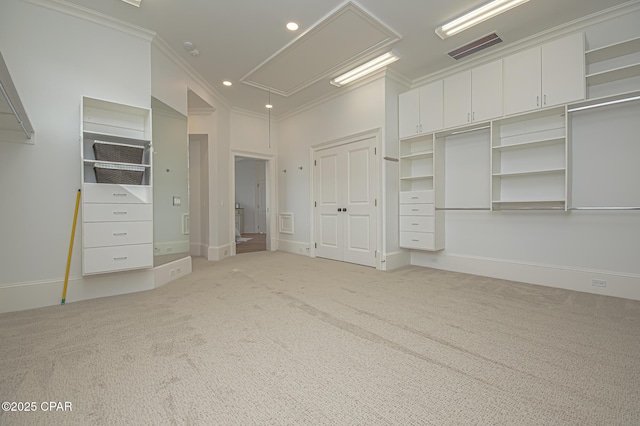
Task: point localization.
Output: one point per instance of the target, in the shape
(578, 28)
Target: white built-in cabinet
(545, 76)
(473, 95)
(613, 69)
(420, 110)
(117, 205)
(421, 189)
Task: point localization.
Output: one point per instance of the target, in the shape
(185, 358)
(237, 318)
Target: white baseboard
(617, 284)
(218, 253)
(396, 260)
(294, 247)
(171, 271)
(171, 247)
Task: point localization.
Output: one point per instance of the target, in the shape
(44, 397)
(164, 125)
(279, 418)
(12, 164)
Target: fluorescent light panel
(133, 2)
(476, 16)
(365, 69)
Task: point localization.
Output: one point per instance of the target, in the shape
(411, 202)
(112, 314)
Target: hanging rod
(531, 208)
(604, 208)
(462, 208)
(15, 113)
(391, 159)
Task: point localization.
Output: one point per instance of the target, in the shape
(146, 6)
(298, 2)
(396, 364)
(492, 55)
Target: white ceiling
(236, 37)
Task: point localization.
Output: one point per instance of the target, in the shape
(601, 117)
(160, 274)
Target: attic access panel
(340, 40)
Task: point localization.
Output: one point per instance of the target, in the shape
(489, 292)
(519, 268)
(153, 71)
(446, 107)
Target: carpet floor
(272, 338)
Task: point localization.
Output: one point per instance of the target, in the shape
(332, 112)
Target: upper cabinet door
(522, 81)
(431, 107)
(486, 91)
(409, 113)
(563, 70)
(457, 100)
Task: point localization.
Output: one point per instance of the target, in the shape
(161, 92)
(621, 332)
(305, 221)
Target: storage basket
(117, 152)
(119, 174)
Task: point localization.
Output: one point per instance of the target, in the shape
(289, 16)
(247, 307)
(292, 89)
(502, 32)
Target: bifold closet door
(345, 210)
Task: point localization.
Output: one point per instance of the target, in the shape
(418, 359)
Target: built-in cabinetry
(544, 76)
(613, 69)
(420, 110)
(421, 180)
(473, 95)
(529, 161)
(117, 209)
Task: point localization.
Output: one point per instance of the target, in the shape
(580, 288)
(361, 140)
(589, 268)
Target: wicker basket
(119, 153)
(119, 174)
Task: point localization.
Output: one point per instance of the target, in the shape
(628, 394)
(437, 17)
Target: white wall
(356, 111)
(59, 59)
(199, 194)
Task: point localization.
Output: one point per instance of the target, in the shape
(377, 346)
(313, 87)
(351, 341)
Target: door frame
(376, 135)
(271, 201)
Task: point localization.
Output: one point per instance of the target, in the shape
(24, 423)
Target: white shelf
(417, 155)
(114, 138)
(416, 177)
(92, 162)
(614, 74)
(613, 50)
(531, 173)
(531, 144)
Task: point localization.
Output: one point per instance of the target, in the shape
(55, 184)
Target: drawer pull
(414, 198)
(119, 234)
(415, 224)
(415, 241)
(415, 210)
(120, 258)
(119, 194)
(120, 213)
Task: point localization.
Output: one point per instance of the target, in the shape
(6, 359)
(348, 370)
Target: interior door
(346, 211)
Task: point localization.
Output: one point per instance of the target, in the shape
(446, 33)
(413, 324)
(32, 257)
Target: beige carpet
(278, 339)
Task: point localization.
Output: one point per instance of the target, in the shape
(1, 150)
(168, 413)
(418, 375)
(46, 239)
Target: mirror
(170, 184)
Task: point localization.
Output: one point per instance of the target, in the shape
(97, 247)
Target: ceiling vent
(475, 46)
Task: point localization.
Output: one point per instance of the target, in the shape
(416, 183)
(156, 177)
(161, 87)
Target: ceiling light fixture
(227, 83)
(133, 2)
(476, 16)
(365, 69)
(292, 26)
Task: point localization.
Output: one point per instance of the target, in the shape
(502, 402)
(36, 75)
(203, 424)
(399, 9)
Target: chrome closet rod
(531, 208)
(604, 208)
(15, 113)
(462, 208)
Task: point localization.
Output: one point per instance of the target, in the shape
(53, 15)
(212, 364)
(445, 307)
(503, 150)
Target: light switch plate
(177, 201)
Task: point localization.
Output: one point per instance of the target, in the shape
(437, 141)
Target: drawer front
(117, 212)
(121, 194)
(417, 223)
(417, 240)
(416, 197)
(101, 234)
(417, 209)
(119, 258)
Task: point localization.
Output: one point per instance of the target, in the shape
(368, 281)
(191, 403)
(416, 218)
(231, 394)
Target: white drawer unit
(417, 240)
(121, 194)
(118, 258)
(417, 209)
(103, 234)
(117, 212)
(416, 197)
(417, 223)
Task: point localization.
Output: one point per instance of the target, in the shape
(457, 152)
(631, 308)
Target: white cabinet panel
(563, 70)
(121, 194)
(417, 240)
(117, 212)
(486, 91)
(416, 197)
(100, 234)
(417, 209)
(417, 223)
(118, 258)
(431, 107)
(409, 113)
(522, 81)
(457, 100)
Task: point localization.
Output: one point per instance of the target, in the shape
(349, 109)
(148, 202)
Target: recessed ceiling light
(269, 106)
(292, 26)
(133, 2)
(227, 83)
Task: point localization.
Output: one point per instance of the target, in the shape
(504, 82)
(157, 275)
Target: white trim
(294, 247)
(164, 274)
(171, 247)
(252, 114)
(218, 253)
(94, 17)
(396, 260)
(624, 285)
(282, 217)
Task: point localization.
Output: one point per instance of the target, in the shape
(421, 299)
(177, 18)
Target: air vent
(475, 46)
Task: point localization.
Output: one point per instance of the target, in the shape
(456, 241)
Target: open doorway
(251, 224)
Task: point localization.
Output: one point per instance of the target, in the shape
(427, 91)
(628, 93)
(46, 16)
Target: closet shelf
(114, 138)
(530, 173)
(613, 50)
(531, 144)
(614, 74)
(417, 155)
(416, 177)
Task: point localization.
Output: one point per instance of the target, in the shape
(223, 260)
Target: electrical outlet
(599, 283)
(172, 272)
(179, 270)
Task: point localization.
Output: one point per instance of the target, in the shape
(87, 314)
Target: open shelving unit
(529, 161)
(613, 69)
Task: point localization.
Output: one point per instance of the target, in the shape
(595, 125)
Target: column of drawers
(417, 220)
(117, 228)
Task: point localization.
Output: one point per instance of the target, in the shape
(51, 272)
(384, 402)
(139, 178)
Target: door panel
(345, 179)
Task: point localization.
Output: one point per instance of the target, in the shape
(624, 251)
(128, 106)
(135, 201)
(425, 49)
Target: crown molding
(253, 114)
(164, 47)
(201, 111)
(94, 17)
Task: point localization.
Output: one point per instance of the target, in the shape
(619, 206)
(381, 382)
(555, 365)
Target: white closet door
(346, 212)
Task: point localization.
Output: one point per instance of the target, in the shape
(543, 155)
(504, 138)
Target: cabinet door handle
(415, 241)
(414, 198)
(415, 210)
(473, 116)
(537, 100)
(468, 117)
(421, 128)
(415, 224)
(545, 99)
(417, 128)
(120, 258)
(344, 210)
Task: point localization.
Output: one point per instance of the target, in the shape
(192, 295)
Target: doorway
(251, 230)
(345, 206)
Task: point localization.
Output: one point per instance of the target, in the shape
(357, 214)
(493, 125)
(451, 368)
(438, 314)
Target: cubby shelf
(531, 173)
(531, 144)
(417, 155)
(614, 74)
